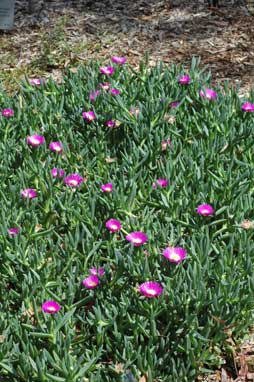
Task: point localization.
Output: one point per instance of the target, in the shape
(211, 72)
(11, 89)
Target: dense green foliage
(113, 333)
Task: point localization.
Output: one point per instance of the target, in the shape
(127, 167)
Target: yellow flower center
(151, 291)
(51, 308)
(73, 182)
(175, 256)
(137, 240)
(35, 141)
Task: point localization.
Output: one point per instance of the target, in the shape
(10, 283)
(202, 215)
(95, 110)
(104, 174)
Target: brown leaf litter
(170, 30)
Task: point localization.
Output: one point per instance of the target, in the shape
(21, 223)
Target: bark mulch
(170, 30)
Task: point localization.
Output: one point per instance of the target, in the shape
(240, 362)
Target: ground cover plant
(126, 231)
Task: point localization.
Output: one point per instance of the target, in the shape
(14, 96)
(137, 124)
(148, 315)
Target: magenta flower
(35, 140)
(174, 254)
(160, 182)
(35, 81)
(57, 172)
(73, 180)
(165, 144)
(113, 225)
(97, 271)
(174, 104)
(110, 123)
(150, 289)
(184, 79)
(107, 187)
(89, 116)
(115, 91)
(29, 193)
(108, 70)
(91, 282)
(118, 60)
(249, 107)
(205, 210)
(56, 147)
(7, 112)
(209, 94)
(50, 307)
(13, 231)
(105, 85)
(93, 95)
(137, 238)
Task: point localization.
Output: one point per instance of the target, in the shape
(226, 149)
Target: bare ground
(66, 33)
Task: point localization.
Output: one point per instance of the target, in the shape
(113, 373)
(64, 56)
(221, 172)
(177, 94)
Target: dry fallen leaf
(169, 118)
(110, 160)
(38, 227)
(2, 338)
(119, 367)
(224, 376)
(247, 224)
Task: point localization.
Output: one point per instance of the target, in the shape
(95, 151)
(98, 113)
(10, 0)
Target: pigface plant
(126, 225)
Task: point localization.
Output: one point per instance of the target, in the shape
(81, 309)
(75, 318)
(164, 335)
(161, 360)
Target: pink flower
(73, 180)
(174, 254)
(165, 144)
(107, 187)
(137, 238)
(249, 107)
(205, 210)
(209, 94)
(56, 147)
(35, 81)
(110, 123)
(150, 289)
(7, 112)
(118, 60)
(91, 282)
(50, 307)
(29, 193)
(184, 79)
(13, 231)
(115, 91)
(105, 85)
(113, 225)
(97, 271)
(35, 140)
(108, 70)
(57, 172)
(93, 95)
(88, 116)
(174, 104)
(160, 182)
